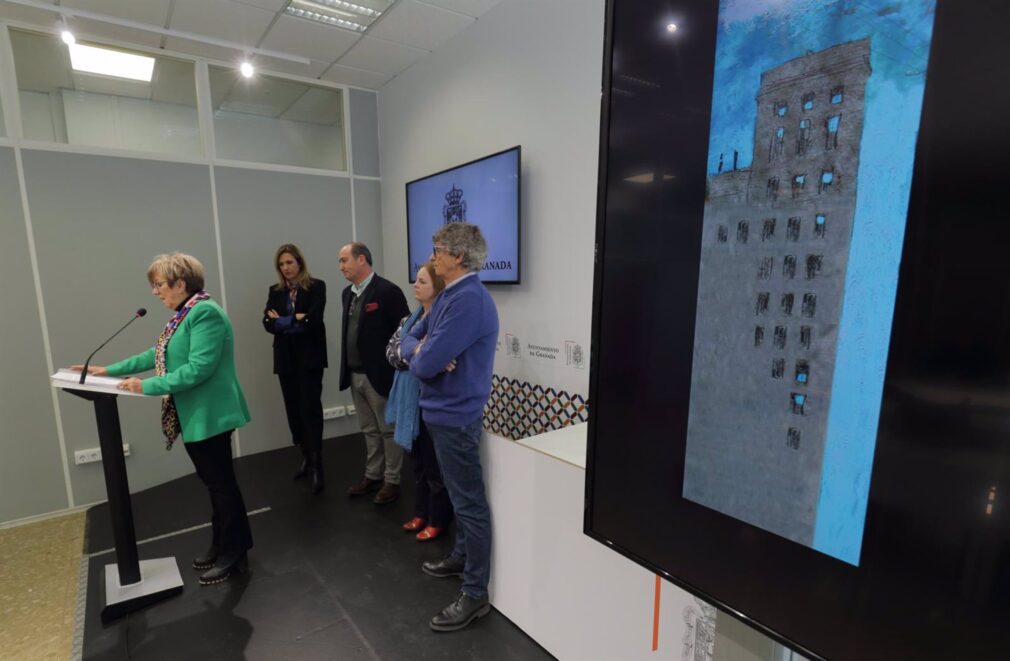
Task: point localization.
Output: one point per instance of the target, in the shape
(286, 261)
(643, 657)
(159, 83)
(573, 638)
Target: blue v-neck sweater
(462, 325)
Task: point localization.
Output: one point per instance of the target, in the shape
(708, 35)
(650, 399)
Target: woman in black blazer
(294, 316)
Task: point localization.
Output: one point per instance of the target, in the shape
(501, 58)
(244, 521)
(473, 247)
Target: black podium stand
(131, 583)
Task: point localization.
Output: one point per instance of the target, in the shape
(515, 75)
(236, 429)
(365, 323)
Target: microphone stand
(84, 372)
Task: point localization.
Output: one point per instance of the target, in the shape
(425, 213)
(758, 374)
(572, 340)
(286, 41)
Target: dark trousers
(458, 450)
(431, 499)
(303, 393)
(229, 522)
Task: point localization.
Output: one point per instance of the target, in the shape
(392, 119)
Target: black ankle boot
(207, 560)
(303, 469)
(224, 569)
(317, 472)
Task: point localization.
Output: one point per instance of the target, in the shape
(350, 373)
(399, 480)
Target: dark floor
(330, 577)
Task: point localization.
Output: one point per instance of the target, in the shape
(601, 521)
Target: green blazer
(200, 366)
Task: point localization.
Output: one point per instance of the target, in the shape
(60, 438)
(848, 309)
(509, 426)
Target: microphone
(84, 372)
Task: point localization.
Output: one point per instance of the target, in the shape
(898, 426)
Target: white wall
(574, 596)
(527, 73)
(63, 200)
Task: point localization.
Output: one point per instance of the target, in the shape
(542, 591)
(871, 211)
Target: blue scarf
(402, 407)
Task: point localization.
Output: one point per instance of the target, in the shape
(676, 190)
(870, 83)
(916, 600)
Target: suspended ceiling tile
(198, 49)
(420, 25)
(381, 56)
(154, 12)
(88, 30)
(28, 14)
(469, 7)
(272, 5)
(297, 36)
(356, 77)
(312, 70)
(222, 19)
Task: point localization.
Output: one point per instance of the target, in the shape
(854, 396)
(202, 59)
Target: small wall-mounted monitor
(484, 192)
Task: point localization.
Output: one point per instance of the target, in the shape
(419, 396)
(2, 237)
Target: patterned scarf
(170, 425)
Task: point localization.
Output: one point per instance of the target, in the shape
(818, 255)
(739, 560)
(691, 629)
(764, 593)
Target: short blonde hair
(177, 266)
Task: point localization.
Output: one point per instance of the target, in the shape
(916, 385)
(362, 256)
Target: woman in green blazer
(194, 363)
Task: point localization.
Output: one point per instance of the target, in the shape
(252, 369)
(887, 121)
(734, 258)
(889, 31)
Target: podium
(130, 583)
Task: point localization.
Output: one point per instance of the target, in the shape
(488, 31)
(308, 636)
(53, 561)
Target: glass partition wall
(272, 120)
(88, 94)
(93, 95)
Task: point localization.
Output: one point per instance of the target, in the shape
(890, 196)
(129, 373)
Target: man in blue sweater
(460, 330)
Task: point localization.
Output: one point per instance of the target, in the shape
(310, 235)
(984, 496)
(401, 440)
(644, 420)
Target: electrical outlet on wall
(334, 412)
(89, 456)
(93, 455)
(351, 409)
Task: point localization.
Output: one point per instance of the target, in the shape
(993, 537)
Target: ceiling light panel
(106, 62)
(337, 13)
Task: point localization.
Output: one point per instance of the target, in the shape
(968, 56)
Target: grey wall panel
(368, 218)
(364, 132)
(98, 221)
(31, 473)
(258, 211)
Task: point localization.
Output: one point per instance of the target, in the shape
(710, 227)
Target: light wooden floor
(39, 568)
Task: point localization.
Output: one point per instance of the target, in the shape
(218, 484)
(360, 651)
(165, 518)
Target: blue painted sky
(756, 35)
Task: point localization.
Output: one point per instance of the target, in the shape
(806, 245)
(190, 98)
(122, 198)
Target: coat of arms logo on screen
(454, 209)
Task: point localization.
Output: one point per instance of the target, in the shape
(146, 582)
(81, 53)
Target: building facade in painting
(775, 245)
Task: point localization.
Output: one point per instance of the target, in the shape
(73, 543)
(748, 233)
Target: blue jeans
(458, 450)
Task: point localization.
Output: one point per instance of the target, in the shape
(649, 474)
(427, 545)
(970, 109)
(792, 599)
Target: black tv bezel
(519, 212)
(930, 139)
(594, 384)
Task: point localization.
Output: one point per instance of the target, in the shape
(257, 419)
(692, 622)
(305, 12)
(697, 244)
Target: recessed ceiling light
(333, 12)
(106, 62)
(247, 69)
(68, 37)
(671, 27)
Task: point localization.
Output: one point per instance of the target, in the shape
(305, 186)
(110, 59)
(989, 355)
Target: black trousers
(431, 500)
(303, 404)
(229, 522)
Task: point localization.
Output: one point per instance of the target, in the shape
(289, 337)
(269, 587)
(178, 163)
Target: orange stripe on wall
(655, 617)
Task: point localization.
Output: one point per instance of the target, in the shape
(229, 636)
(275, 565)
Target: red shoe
(414, 524)
(429, 533)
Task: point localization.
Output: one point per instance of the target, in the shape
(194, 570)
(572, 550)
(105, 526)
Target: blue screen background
(490, 191)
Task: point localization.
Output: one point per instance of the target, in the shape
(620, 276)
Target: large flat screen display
(800, 378)
(485, 192)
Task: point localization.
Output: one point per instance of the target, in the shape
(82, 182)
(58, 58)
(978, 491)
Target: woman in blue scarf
(432, 509)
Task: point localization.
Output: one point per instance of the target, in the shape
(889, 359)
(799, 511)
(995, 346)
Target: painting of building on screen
(816, 109)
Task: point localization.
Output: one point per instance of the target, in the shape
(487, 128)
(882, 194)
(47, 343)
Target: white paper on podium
(65, 378)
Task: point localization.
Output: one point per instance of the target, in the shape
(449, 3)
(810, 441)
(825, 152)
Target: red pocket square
(371, 307)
